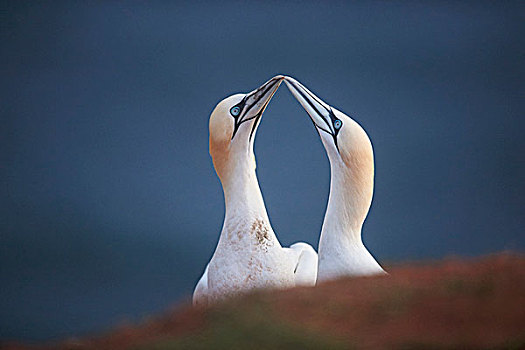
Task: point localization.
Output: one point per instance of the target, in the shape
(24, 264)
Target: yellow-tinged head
(233, 124)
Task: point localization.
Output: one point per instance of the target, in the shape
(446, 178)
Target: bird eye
(338, 124)
(235, 111)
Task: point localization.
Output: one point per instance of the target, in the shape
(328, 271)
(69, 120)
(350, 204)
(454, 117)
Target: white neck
(242, 194)
(341, 249)
(246, 215)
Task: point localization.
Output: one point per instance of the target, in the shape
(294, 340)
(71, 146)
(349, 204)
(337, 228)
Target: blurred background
(110, 207)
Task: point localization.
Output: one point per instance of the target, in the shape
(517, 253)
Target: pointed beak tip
(279, 79)
(291, 83)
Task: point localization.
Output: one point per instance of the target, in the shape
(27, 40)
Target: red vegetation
(478, 303)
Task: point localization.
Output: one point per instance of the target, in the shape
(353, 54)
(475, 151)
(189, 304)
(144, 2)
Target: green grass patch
(252, 327)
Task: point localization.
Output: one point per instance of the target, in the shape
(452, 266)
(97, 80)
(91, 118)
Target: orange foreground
(467, 304)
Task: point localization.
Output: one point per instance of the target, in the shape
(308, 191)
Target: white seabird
(341, 249)
(248, 255)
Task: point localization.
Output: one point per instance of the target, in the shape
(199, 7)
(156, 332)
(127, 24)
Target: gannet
(248, 255)
(349, 150)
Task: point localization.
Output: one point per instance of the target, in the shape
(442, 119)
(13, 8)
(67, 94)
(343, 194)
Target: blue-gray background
(110, 207)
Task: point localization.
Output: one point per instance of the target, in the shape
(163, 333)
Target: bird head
(343, 138)
(234, 122)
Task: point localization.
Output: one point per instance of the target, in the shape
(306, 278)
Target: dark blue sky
(110, 207)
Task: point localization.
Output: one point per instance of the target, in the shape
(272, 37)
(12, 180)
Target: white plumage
(248, 255)
(341, 249)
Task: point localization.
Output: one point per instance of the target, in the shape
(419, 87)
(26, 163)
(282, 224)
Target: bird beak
(263, 94)
(320, 113)
(255, 102)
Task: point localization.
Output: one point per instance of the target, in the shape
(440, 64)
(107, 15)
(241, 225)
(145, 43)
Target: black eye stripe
(242, 105)
(311, 104)
(333, 120)
(331, 113)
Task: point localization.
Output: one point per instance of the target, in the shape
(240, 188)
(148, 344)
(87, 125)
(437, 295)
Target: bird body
(248, 255)
(341, 249)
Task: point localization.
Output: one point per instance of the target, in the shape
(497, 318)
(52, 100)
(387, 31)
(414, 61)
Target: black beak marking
(331, 113)
(243, 105)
